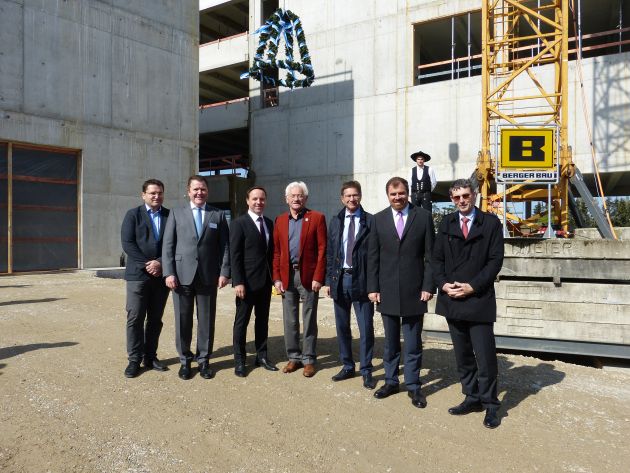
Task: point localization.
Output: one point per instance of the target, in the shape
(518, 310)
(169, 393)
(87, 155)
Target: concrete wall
(115, 79)
(363, 117)
(223, 52)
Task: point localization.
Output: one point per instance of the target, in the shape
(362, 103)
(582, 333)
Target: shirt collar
(253, 216)
(151, 211)
(404, 211)
(193, 206)
(470, 216)
(357, 214)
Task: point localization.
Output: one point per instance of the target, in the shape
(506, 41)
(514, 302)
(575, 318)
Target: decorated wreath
(281, 24)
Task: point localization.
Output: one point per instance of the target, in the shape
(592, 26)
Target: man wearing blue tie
(196, 263)
(141, 237)
(346, 281)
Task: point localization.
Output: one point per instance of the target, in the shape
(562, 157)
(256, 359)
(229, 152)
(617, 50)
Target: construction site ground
(65, 405)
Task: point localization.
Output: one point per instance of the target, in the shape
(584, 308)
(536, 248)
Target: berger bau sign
(528, 155)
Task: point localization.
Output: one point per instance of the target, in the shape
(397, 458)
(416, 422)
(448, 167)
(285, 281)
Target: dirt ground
(65, 405)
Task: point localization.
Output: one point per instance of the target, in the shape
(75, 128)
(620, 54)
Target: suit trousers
(476, 356)
(423, 199)
(364, 311)
(145, 301)
(412, 331)
(254, 300)
(184, 299)
(291, 317)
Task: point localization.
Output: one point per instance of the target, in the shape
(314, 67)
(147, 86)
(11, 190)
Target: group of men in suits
(392, 260)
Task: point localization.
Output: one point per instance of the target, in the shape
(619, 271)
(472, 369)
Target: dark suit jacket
(138, 241)
(251, 260)
(312, 261)
(399, 268)
(186, 256)
(476, 260)
(335, 255)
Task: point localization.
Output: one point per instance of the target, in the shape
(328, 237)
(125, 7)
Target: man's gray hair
(299, 184)
(462, 184)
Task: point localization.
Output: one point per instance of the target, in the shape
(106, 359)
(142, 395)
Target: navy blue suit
(348, 288)
(146, 294)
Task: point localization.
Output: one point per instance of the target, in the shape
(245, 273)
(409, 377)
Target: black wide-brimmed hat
(420, 154)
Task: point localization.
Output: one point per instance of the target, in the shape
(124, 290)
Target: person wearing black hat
(422, 180)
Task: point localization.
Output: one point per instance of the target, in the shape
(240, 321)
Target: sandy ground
(65, 405)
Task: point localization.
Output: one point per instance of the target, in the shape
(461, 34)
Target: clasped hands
(458, 290)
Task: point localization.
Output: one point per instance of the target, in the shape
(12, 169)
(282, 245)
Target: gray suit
(197, 262)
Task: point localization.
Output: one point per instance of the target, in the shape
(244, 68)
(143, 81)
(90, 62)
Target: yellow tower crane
(524, 125)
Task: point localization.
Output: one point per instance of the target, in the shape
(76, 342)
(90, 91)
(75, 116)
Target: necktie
(350, 244)
(155, 223)
(198, 222)
(261, 228)
(400, 225)
(465, 221)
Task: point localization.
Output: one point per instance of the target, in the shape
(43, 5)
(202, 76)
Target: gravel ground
(65, 405)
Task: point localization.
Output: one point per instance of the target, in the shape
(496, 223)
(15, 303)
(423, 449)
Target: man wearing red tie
(299, 271)
(467, 258)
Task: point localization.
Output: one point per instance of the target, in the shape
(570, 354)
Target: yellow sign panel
(527, 148)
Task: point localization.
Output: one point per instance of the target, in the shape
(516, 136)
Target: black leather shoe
(491, 420)
(465, 408)
(386, 391)
(132, 370)
(343, 375)
(184, 371)
(155, 364)
(368, 381)
(417, 398)
(265, 363)
(205, 371)
(239, 370)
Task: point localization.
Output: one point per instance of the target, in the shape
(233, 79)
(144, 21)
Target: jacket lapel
(306, 221)
(146, 219)
(411, 216)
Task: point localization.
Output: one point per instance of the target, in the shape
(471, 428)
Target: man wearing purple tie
(401, 283)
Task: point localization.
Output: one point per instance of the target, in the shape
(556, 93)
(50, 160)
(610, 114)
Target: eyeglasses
(457, 198)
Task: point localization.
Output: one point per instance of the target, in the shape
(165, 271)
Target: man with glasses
(467, 258)
(299, 270)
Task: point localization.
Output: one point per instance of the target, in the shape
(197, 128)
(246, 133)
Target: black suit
(398, 269)
(477, 261)
(251, 260)
(146, 294)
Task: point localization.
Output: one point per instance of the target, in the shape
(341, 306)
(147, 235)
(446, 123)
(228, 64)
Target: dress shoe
(466, 407)
(386, 391)
(132, 370)
(368, 381)
(491, 420)
(205, 371)
(292, 366)
(239, 370)
(343, 375)
(155, 364)
(309, 370)
(184, 371)
(417, 398)
(265, 363)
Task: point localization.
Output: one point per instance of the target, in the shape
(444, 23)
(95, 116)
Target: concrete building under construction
(395, 77)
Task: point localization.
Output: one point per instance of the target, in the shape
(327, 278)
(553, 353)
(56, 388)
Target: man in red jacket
(299, 270)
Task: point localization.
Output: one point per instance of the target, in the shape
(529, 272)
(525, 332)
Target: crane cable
(598, 182)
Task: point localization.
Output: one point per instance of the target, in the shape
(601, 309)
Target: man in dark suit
(251, 252)
(400, 281)
(299, 270)
(141, 236)
(196, 261)
(346, 281)
(467, 258)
